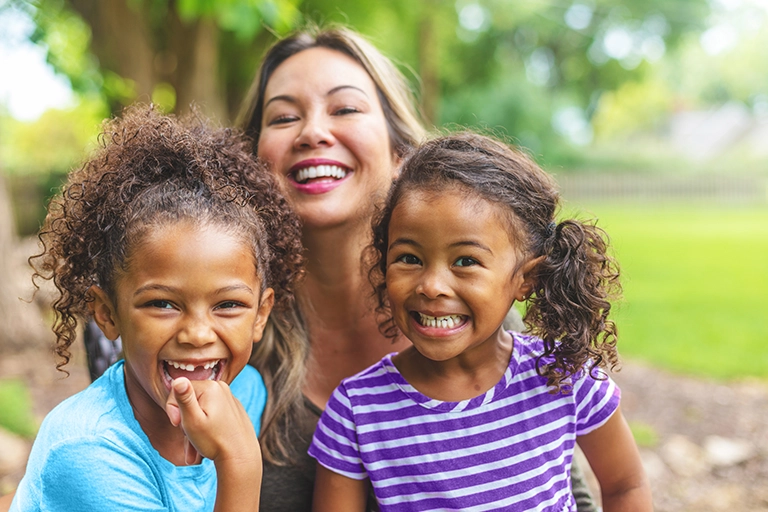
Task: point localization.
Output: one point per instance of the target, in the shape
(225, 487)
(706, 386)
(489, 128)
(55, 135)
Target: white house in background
(703, 134)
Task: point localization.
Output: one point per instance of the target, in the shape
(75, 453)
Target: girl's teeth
(443, 322)
(190, 367)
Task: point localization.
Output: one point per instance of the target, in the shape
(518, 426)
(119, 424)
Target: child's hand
(213, 420)
(218, 427)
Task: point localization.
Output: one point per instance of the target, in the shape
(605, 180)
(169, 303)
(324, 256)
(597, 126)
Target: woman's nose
(315, 132)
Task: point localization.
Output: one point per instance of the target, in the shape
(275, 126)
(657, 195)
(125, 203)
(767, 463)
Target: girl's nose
(433, 284)
(198, 332)
(315, 132)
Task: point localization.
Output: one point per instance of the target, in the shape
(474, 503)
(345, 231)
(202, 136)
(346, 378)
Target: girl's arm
(218, 427)
(338, 493)
(5, 502)
(615, 460)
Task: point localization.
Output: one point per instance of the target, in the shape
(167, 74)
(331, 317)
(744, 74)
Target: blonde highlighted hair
(282, 355)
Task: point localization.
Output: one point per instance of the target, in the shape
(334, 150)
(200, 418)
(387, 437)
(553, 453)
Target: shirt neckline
(464, 405)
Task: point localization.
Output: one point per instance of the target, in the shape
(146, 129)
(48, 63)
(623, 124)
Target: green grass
(695, 286)
(645, 435)
(16, 409)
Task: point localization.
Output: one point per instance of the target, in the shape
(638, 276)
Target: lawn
(695, 285)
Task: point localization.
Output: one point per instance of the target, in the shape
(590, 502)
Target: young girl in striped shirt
(473, 417)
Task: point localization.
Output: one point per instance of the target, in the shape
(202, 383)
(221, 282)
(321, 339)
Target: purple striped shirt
(507, 449)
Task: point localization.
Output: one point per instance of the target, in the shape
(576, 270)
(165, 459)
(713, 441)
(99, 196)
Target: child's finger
(186, 401)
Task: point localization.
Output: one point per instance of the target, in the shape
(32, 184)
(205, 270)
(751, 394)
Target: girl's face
(451, 273)
(326, 137)
(189, 305)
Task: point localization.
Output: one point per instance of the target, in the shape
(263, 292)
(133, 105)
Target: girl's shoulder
(249, 388)
(100, 411)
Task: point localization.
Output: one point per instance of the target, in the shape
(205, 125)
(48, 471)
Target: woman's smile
(318, 175)
(323, 131)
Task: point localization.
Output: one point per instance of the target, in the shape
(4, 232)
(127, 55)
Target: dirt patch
(709, 440)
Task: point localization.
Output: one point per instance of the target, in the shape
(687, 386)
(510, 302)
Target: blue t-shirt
(91, 455)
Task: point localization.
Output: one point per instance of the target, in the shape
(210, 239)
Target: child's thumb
(181, 396)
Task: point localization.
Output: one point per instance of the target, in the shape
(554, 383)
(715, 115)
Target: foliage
(16, 409)
(53, 143)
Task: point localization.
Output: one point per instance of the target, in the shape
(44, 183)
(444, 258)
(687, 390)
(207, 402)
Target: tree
(175, 52)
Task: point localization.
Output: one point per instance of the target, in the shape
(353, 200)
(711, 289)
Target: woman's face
(326, 137)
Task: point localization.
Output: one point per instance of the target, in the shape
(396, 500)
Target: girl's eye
(230, 304)
(465, 261)
(408, 259)
(161, 304)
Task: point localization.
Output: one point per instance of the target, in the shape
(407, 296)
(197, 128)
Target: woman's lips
(317, 176)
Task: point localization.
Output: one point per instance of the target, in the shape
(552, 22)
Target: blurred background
(652, 115)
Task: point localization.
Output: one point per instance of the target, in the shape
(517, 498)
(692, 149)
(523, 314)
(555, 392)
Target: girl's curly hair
(576, 278)
(151, 170)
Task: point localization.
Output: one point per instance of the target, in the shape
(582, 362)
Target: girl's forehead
(457, 202)
(458, 194)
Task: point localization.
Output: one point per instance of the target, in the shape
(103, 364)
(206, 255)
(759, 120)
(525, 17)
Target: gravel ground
(707, 441)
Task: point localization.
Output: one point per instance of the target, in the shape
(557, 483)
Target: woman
(333, 117)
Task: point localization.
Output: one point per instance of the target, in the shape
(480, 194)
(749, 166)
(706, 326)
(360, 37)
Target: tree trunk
(197, 79)
(21, 319)
(429, 63)
(122, 40)
(182, 54)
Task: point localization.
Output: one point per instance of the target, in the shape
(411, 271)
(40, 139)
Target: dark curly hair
(150, 170)
(576, 279)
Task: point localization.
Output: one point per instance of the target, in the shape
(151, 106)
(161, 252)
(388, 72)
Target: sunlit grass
(16, 409)
(695, 285)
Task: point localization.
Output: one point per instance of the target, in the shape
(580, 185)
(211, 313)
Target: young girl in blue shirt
(175, 239)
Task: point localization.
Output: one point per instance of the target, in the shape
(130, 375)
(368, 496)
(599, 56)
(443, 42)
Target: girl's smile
(452, 273)
(189, 304)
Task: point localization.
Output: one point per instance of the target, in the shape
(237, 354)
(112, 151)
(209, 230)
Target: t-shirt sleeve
(93, 475)
(249, 388)
(334, 444)
(596, 401)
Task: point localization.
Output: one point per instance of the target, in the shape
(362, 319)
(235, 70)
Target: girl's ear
(528, 275)
(265, 308)
(104, 312)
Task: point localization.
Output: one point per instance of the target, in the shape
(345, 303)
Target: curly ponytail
(571, 301)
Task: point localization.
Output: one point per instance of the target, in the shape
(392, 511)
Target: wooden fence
(664, 188)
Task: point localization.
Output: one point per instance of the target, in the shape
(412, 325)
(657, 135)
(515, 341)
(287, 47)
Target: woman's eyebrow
(341, 87)
(280, 97)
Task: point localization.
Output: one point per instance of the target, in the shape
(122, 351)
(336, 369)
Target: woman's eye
(346, 110)
(284, 119)
(408, 259)
(465, 261)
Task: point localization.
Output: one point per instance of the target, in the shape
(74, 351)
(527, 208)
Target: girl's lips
(443, 325)
(318, 175)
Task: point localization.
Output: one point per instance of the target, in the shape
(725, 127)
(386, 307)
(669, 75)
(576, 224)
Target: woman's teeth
(443, 322)
(320, 171)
